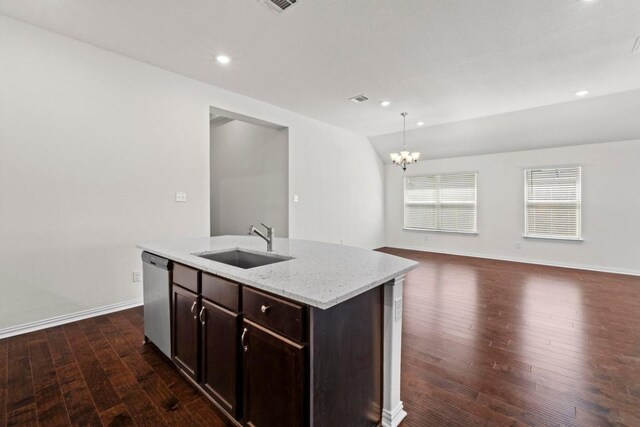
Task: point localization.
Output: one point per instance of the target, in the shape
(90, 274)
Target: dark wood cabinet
(284, 317)
(274, 379)
(185, 330)
(265, 360)
(220, 355)
(221, 291)
(205, 336)
(186, 277)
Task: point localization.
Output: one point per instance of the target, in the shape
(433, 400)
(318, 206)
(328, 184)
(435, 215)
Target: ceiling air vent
(278, 5)
(358, 98)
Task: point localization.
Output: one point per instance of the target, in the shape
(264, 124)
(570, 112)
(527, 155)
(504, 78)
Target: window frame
(580, 236)
(438, 204)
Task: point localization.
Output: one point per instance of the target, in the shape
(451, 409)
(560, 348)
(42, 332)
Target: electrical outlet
(518, 245)
(296, 198)
(137, 276)
(181, 197)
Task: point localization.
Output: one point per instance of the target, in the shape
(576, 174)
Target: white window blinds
(553, 199)
(442, 202)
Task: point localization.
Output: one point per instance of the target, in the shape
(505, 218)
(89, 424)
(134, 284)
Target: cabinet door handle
(200, 315)
(265, 308)
(244, 346)
(193, 309)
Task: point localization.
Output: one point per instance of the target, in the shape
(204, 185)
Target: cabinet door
(274, 379)
(220, 352)
(185, 330)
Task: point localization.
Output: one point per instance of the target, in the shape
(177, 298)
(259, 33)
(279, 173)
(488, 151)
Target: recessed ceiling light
(385, 103)
(223, 59)
(582, 93)
(420, 123)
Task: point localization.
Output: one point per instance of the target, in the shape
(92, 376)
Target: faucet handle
(265, 226)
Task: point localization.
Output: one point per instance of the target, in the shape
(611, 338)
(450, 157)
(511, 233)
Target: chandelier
(404, 158)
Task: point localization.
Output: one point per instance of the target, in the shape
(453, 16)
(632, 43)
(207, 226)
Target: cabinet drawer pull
(244, 346)
(200, 315)
(193, 308)
(265, 308)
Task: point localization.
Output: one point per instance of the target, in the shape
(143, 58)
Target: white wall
(610, 213)
(93, 147)
(249, 178)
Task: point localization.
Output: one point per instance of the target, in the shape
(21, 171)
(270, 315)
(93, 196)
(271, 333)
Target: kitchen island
(311, 338)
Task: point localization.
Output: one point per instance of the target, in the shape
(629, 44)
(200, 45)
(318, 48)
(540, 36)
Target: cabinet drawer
(221, 291)
(282, 316)
(186, 277)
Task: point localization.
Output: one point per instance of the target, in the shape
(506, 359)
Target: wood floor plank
(413, 381)
(183, 390)
(169, 406)
(59, 347)
(98, 382)
(81, 408)
(163, 366)
(531, 415)
(23, 416)
(21, 404)
(3, 382)
(50, 404)
(203, 414)
(118, 416)
(135, 400)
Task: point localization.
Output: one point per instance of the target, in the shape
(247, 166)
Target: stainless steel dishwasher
(156, 283)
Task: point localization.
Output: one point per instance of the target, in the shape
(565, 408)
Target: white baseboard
(600, 269)
(67, 318)
(394, 417)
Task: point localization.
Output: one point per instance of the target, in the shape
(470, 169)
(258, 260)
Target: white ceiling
(442, 61)
(601, 119)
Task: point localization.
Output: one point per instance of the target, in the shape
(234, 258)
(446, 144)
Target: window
(553, 203)
(442, 202)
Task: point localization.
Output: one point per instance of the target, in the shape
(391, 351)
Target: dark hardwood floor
(500, 343)
(485, 343)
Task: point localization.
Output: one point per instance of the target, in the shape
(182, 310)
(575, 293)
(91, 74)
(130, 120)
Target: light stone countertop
(320, 274)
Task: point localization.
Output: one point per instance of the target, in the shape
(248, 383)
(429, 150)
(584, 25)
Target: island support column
(392, 410)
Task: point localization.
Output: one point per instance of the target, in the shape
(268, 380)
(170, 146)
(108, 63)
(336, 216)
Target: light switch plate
(181, 197)
(296, 199)
(137, 276)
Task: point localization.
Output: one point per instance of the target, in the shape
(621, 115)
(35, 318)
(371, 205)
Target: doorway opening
(248, 174)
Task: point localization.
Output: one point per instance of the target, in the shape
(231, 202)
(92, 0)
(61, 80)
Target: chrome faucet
(268, 238)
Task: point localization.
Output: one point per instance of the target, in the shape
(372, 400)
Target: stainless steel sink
(243, 259)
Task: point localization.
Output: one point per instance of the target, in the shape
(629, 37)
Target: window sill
(430, 230)
(558, 239)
